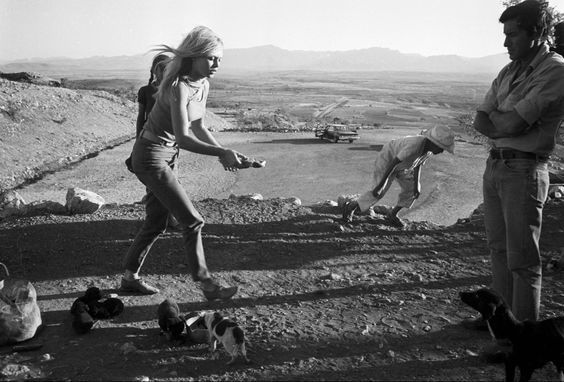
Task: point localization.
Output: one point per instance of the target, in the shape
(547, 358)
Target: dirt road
(298, 164)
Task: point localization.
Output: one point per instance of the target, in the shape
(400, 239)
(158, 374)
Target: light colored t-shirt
(159, 121)
(409, 150)
(537, 95)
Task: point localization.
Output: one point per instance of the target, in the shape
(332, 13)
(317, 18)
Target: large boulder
(11, 203)
(81, 201)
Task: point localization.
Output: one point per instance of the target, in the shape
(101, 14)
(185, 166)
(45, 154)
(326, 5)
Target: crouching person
(401, 160)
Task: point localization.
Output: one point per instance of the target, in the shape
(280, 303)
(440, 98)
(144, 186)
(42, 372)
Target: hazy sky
(84, 28)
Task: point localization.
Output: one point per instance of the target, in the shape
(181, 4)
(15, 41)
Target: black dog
(87, 308)
(535, 343)
(170, 321)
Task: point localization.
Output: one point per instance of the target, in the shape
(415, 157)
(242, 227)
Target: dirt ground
(318, 300)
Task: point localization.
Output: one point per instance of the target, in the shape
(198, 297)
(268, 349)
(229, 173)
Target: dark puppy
(81, 310)
(88, 308)
(226, 332)
(170, 321)
(535, 343)
(82, 320)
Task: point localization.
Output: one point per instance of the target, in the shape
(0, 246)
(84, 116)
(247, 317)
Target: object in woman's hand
(247, 162)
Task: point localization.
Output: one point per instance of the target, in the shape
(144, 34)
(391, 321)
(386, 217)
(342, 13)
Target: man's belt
(145, 134)
(516, 154)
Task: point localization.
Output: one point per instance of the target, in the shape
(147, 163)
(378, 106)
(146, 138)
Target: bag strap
(5, 269)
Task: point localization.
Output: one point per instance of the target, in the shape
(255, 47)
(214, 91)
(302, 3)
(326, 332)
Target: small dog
(170, 321)
(226, 332)
(535, 343)
(89, 307)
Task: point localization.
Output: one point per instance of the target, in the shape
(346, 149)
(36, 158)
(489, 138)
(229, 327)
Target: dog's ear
(489, 311)
(196, 321)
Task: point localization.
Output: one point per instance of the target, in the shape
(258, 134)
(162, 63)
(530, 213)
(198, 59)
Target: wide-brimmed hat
(442, 136)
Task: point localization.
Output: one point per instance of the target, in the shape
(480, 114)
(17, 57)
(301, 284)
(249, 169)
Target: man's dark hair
(532, 16)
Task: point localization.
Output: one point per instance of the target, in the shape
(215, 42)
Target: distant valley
(266, 59)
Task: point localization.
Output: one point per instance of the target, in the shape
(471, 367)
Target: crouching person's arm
(416, 182)
(377, 191)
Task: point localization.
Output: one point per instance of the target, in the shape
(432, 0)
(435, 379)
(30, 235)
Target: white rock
(342, 199)
(11, 203)
(46, 357)
(14, 370)
(247, 197)
(329, 203)
(295, 201)
(81, 201)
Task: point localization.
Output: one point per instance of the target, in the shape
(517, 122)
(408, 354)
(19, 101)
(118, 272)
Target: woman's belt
(146, 134)
(516, 154)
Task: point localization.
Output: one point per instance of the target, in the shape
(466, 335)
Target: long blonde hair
(200, 41)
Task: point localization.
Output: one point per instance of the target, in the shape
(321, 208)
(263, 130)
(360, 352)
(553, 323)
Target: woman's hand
(230, 160)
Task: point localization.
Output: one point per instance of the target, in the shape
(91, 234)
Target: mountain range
(269, 58)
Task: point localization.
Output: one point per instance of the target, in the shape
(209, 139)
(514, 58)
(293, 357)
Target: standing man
(520, 114)
(559, 39)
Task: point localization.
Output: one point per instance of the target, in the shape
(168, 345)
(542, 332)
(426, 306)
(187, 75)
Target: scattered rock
(471, 353)
(81, 201)
(41, 207)
(15, 371)
(246, 197)
(46, 357)
(332, 276)
(293, 200)
(556, 191)
(127, 348)
(342, 199)
(11, 203)
(329, 203)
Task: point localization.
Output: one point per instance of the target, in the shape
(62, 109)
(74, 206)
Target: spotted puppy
(171, 323)
(226, 332)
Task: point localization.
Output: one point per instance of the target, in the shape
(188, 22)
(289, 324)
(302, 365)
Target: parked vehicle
(335, 133)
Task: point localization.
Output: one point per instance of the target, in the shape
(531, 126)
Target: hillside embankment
(45, 128)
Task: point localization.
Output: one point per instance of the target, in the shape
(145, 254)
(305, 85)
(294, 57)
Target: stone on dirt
(41, 207)
(81, 201)
(11, 203)
(556, 191)
(254, 196)
(342, 199)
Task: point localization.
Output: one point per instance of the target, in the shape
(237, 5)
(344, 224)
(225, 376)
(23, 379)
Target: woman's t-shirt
(159, 121)
(146, 97)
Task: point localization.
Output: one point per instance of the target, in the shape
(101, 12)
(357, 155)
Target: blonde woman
(179, 107)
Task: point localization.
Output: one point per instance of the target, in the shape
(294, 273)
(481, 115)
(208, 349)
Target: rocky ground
(318, 300)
